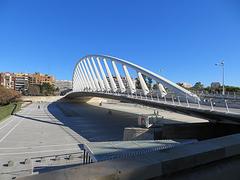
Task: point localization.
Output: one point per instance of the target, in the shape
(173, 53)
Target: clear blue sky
(184, 38)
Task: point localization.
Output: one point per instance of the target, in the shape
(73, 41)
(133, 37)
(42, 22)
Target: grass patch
(6, 110)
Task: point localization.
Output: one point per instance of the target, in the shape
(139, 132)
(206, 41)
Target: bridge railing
(100, 74)
(173, 100)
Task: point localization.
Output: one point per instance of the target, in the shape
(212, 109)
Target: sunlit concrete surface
(169, 116)
(57, 129)
(32, 133)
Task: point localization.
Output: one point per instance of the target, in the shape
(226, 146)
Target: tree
(47, 89)
(149, 82)
(198, 86)
(180, 84)
(137, 83)
(155, 86)
(34, 90)
(8, 95)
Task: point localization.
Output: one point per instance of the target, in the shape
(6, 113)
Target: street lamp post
(221, 64)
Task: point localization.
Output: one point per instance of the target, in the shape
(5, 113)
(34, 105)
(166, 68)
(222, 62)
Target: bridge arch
(93, 73)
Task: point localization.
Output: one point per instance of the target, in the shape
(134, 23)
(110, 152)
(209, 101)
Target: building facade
(7, 80)
(21, 81)
(39, 79)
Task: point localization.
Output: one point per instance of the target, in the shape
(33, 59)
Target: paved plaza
(57, 129)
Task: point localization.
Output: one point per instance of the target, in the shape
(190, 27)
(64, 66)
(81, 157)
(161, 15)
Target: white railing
(208, 104)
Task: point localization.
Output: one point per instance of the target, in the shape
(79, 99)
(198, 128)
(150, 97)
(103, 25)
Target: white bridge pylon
(100, 73)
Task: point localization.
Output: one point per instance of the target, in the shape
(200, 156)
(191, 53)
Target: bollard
(70, 157)
(211, 104)
(187, 101)
(10, 163)
(173, 100)
(43, 160)
(226, 106)
(199, 104)
(27, 161)
(57, 158)
(165, 99)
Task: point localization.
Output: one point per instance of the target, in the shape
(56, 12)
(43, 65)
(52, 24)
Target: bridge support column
(75, 81)
(85, 75)
(103, 75)
(78, 70)
(120, 82)
(98, 75)
(89, 76)
(79, 81)
(113, 84)
(143, 84)
(162, 90)
(129, 80)
(93, 75)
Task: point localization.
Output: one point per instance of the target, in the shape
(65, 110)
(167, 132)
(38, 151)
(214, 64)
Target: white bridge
(111, 77)
(99, 73)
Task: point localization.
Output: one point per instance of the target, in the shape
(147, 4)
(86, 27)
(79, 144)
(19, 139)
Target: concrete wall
(131, 133)
(198, 131)
(41, 98)
(217, 158)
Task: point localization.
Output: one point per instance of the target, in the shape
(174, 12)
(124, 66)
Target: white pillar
(162, 90)
(81, 78)
(113, 84)
(85, 78)
(89, 76)
(120, 82)
(85, 83)
(103, 76)
(143, 84)
(74, 82)
(79, 82)
(93, 75)
(98, 75)
(129, 79)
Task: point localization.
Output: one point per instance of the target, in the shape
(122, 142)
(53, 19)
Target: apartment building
(7, 80)
(38, 78)
(21, 81)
